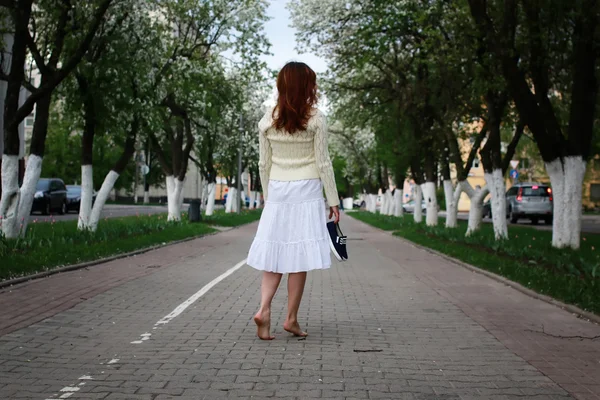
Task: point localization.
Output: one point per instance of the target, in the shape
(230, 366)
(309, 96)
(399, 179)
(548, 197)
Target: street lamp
(239, 170)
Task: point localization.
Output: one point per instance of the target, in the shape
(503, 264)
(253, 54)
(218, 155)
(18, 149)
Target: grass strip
(55, 244)
(527, 257)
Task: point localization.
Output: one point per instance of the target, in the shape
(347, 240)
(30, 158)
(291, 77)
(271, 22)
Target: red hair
(297, 87)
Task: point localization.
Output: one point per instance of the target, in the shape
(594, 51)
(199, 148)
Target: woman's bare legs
(296, 283)
(270, 283)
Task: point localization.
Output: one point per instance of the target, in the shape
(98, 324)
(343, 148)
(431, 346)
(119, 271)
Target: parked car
(359, 204)
(256, 201)
(487, 209)
(247, 201)
(74, 198)
(530, 201)
(410, 207)
(50, 195)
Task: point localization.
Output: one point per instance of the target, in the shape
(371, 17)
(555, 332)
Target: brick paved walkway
(396, 323)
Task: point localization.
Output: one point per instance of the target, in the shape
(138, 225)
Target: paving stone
(394, 322)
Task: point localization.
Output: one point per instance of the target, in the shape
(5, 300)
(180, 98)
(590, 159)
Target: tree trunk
(418, 212)
(9, 204)
(398, 209)
(452, 196)
(476, 210)
(372, 203)
(390, 202)
(384, 204)
(567, 180)
(87, 190)
(174, 189)
(429, 191)
(252, 200)
(495, 184)
(103, 194)
(210, 203)
(228, 201)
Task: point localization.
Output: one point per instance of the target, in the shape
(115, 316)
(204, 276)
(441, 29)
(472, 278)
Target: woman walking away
(292, 236)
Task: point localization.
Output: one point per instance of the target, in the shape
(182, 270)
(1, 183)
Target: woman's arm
(265, 161)
(323, 161)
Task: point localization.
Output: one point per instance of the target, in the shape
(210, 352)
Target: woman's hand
(335, 210)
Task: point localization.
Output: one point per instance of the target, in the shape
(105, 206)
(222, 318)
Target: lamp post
(239, 170)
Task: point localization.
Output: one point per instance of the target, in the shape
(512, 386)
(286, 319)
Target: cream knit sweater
(297, 156)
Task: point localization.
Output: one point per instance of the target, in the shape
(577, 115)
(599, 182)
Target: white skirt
(292, 234)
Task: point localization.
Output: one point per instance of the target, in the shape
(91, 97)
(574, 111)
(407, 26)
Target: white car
(410, 207)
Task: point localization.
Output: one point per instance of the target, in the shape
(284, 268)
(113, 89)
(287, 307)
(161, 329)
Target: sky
(283, 45)
(283, 40)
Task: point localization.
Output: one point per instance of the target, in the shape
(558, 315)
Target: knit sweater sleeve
(265, 160)
(323, 161)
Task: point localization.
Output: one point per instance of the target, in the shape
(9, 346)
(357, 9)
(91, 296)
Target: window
(536, 191)
(512, 191)
(29, 121)
(595, 192)
(476, 163)
(43, 184)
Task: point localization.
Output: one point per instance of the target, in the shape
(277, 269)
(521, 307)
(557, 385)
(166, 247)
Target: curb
(23, 279)
(517, 286)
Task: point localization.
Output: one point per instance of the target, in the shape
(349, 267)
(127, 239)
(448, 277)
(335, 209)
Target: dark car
(487, 209)
(50, 195)
(74, 198)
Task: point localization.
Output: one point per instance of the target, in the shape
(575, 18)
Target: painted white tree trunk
(9, 204)
(372, 203)
(567, 185)
(451, 195)
(235, 200)
(210, 202)
(228, 202)
(33, 170)
(103, 194)
(431, 218)
(174, 198)
(476, 210)
(384, 202)
(390, 203)
(418, 212)
(87, 189)
(398, 209)
(495, 183)
(252, 199)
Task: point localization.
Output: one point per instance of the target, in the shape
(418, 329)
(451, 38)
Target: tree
(192, 70)
(108, 97)
(51, 34)
(548, 56)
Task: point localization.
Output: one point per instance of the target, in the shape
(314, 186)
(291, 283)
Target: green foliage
(220, 218)
(527, 257)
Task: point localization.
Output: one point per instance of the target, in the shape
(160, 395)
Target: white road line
(68, 391)
(191, 300)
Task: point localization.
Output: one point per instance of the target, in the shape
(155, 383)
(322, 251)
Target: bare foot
(263, 325)
(294, 327)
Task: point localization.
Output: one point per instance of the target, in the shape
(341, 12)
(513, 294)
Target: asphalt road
(110, 211)
(589, 224)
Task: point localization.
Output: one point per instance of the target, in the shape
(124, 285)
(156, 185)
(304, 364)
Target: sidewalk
(395, 322)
